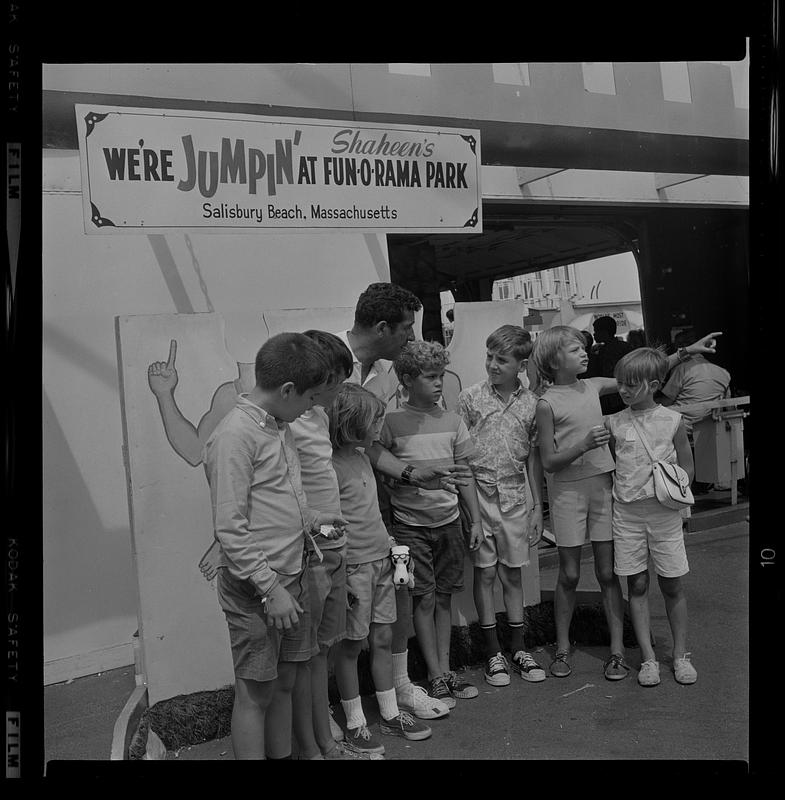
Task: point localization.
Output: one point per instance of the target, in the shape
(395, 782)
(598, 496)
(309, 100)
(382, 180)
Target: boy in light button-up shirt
(260, 519)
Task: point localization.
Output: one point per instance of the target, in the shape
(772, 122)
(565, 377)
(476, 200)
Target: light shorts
(327, 590)
(256, 646)
(505, 539)
(581, 509)
(371, 596)
(648, 527)
(438, 555)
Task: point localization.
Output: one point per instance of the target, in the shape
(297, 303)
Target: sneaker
(684, 671)
(525, 665)
(560, 667)
(342, 753)
(361, 740)
(406, 726)
(615, 667)
(415, 700)
(439, 690)
(649, 674)
(460, 688)
(335, 728)
(496, 671)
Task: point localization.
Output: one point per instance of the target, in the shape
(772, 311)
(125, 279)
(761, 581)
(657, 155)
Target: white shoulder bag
(671, 482)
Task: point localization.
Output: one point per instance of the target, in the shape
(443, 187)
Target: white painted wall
(90, 596)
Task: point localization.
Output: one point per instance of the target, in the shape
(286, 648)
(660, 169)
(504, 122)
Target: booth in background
(719, 443)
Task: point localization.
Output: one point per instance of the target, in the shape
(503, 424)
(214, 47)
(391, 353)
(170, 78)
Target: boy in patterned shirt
(500, 415)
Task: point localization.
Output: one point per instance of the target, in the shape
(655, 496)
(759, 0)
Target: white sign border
(88, 115)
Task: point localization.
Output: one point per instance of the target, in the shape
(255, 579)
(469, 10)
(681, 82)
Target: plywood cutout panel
(183, 633)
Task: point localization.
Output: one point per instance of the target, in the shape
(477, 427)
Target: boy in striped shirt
(423, 434)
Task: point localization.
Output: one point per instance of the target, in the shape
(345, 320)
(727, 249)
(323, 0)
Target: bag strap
(644, 440)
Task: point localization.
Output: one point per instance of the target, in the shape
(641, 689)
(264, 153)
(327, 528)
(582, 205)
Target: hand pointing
(162, 375)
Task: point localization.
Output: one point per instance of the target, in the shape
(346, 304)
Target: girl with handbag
(654, 468)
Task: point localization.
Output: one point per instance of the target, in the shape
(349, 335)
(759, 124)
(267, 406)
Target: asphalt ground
(586, 716)
(583, 717)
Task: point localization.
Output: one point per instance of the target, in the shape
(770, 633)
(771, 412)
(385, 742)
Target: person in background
(603, 359)
(636, 338)
(449, 326)
(589, 341)
(693, 380)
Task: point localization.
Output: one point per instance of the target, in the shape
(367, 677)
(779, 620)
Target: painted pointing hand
(162, 375)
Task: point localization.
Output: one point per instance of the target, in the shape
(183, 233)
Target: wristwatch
(406, 475)
(682, 354)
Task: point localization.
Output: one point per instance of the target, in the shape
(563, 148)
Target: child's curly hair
(418, 357)
(352, 415)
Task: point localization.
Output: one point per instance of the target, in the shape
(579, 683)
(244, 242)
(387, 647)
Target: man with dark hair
(607, 351)
(383, 323)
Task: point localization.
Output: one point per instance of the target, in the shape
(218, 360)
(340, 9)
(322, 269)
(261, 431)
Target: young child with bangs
(642, 526)
(355, 419)
(424, 434)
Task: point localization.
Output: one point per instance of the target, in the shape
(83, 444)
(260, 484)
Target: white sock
(400, 662)
(388, 705)
(354, 712)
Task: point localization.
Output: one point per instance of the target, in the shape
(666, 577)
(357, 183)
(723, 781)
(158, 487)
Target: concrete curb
(127, 723)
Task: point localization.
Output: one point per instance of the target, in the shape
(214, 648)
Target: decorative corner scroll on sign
(91, 119)
(98, 220)
(471, 140)
(472, 221)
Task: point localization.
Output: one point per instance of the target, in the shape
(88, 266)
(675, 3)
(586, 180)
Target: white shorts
(648, 527)
(505, 539)
(581, 510)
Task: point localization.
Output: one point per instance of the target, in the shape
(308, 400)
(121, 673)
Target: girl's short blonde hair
(642, 365)
(352, 415)
(547, 345)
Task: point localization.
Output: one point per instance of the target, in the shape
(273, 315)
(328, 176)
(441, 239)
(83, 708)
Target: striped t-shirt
(432, 438)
